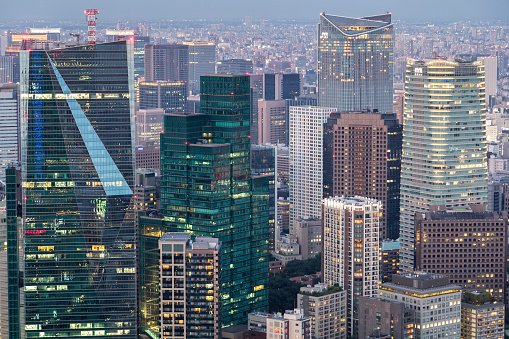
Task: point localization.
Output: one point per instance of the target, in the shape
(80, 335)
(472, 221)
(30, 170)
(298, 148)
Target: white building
(351, 248)
(292, 325)
(326, 306)
(8, 126)
(306, 163)
(491, 72)
(435, 302)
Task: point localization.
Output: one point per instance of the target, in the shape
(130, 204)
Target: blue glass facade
(77, 187)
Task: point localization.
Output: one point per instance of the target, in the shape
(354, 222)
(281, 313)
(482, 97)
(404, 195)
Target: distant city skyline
(114, 10)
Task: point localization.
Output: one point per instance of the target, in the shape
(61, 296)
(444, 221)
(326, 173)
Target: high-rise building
(207, 190)
(481, 316)
(299, 101)
(149, 125)
(481, 261)
(389, 259)
(351, 248)
(139, 55)
(234, 66)
(79, 264)
(8, 126)
(491, 77)
(326, 306)
(444, 143)
(306, 160)
(271, 121)
(167, 63)
(6, 69)
(435, 302)
(362, 156)
(202, 61)
(147, 191)
(169, 96)
(4, 279)
(190, 280)
(355, 62)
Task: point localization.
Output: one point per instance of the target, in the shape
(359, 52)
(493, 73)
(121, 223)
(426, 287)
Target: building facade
(362, 156)
(435, 302)
(149, 125)
(271, 122)
(309, 236)
(8, 126)
(481, 316)
(355, 62)
(190, 286)
(480, 262)
(306, 160)
(202, 61)
(169, 96)
(167, 63)
(326, 306)
(351, 249)
(388, 316)
(78, 181)
(444, 142)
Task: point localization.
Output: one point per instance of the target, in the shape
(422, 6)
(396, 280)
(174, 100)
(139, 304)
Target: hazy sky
(113, 10)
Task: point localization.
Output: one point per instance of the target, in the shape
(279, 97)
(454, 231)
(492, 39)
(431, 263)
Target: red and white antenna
(91, 19)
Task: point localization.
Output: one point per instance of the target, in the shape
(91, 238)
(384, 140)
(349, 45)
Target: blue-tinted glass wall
(355, 62)
(78, 176)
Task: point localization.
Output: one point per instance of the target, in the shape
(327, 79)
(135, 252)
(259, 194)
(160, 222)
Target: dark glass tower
(78, 179)
(207, 190)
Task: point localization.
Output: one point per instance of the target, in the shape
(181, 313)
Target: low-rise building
(390, 317)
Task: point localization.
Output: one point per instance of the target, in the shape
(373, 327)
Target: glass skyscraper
(444, 142)
(77, 191)
(355, 62)
(207, 190)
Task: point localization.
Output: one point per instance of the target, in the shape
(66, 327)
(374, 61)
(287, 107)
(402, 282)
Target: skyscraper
(77, 172)
(8, 126)
(351, 248)
(444, 142)
(207, 190)
(202, 61)
(306, 160)
(362, 156)
(355, 62)
(169, 96)
(167, 63)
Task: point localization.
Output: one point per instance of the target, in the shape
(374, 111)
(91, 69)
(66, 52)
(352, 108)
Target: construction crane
(77, 36)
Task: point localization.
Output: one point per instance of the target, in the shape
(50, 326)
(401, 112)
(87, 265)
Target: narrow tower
(91, 20)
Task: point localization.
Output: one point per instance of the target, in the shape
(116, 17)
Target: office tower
(12, 53)
(389, 259)
(309, 236)
(167, 63)
(306, 164)
(398, 106)
(299, 101)
(281, 86)
(355, 59)
(206, 189)
(4, 284)
(432, 298)
(362, 156)
(6, 69)
(351, 249)
(271, 122)
(491, 77)
(8, 126)
(263, 162)
(234, 66)
(481, 316)
(293, 324)
(15, 259)
(389, 316)
(78, 181)
(481, 261)
(202, 61)
(139, 55)
(147, 191)
(190, 286)
(283, 212)
(326, 306)
(169, 96)
(149, 125)
(444, 151)
(148, 156)
(283, 165)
